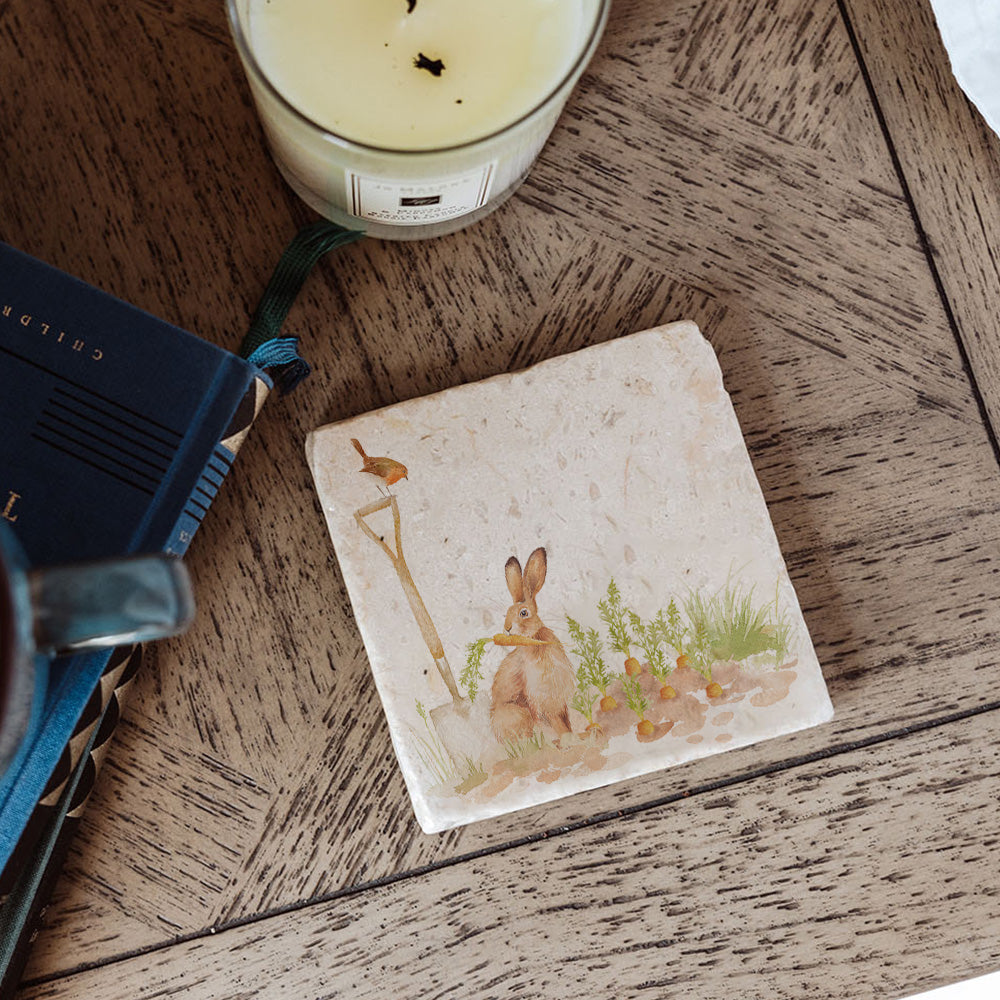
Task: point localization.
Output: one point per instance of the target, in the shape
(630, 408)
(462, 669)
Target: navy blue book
(116, 432)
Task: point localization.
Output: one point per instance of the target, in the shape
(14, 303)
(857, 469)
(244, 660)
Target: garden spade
(462, 727)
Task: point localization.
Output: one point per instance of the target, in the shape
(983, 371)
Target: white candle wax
(411, 117)
(441, 74)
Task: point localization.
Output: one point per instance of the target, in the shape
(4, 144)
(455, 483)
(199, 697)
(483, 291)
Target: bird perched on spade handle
(387, 469)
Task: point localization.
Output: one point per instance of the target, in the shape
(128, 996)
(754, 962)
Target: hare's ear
(534, 573)
(514, 582)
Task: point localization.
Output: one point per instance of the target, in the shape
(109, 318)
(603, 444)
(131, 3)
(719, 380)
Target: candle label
(412, 202)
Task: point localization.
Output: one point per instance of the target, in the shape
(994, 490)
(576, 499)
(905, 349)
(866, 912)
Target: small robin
(387, 469)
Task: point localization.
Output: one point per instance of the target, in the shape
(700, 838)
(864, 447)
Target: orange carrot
(503, 639)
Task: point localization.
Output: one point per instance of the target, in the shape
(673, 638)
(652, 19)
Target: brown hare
(534, 684)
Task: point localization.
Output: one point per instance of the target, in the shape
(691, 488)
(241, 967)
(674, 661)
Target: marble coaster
(565, 577)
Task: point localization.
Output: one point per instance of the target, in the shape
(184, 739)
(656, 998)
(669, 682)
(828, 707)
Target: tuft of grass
(432, 753)
(463, 777)
(473, 774)
(730, 625)
(741, 630)
(525, 746)
(782, 637)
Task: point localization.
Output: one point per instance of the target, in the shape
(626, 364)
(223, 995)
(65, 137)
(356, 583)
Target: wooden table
(803, 179)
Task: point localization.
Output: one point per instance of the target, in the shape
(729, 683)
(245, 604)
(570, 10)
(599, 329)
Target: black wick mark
(433, 66)
(410, 6)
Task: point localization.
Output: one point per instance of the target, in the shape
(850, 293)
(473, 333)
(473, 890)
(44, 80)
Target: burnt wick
(410, 6)
(433, 66)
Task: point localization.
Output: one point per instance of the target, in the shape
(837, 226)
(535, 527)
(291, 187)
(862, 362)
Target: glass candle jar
(411, 118)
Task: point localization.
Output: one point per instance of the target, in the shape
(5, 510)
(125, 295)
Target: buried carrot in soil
(592, 677)
(638, 702)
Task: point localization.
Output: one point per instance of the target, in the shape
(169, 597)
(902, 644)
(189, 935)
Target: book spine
(172, 511)
(217, 467)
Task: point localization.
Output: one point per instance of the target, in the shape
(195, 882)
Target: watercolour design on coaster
(565, 577)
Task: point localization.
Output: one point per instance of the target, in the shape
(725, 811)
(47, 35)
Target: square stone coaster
(565, 577)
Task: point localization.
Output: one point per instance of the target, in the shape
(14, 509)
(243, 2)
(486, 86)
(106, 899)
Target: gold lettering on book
(30, 323)
(8, 510)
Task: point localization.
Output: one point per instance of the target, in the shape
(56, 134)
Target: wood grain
(950, 161)
(722, 161)
(785, 66)
(843, 877)
(795, 270)
(176, 846)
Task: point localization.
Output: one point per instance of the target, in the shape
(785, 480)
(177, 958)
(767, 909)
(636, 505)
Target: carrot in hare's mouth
(503, 639)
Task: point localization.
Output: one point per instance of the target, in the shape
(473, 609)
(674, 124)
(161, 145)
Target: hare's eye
(524, 612)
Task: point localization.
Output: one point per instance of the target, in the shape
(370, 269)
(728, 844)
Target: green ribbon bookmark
(264, 344)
